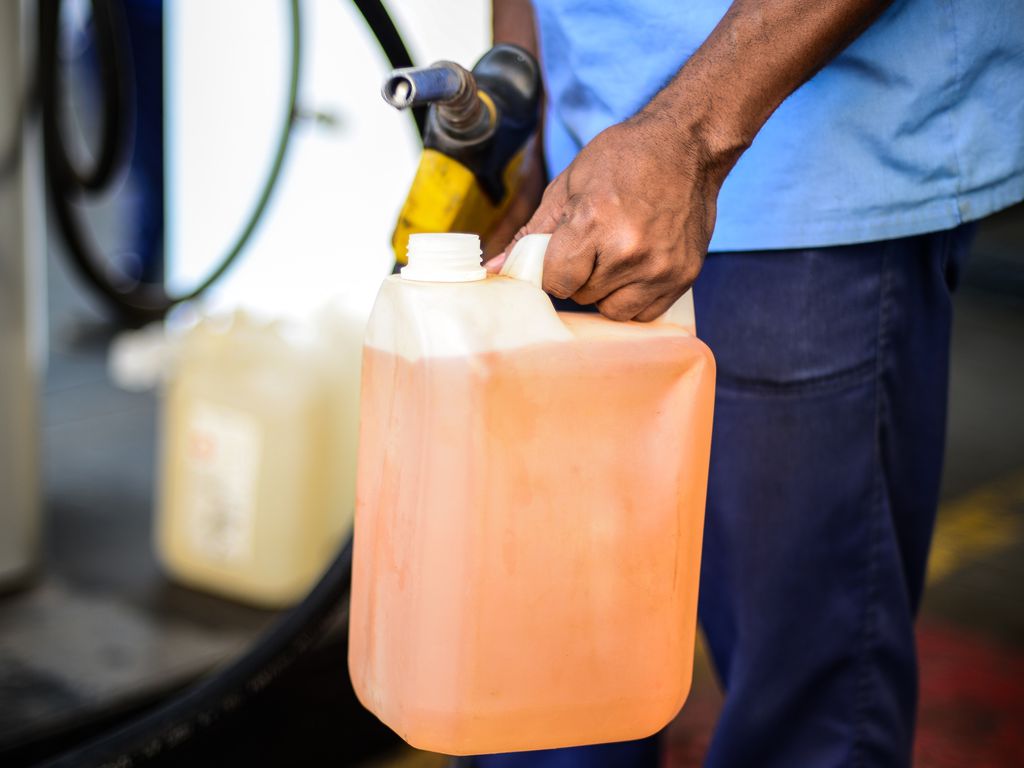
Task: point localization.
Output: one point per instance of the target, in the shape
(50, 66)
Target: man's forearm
(512, 22)
(760, 52)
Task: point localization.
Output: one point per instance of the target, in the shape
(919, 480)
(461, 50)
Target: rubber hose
(117, 106)
(391, 43)
(136, 302)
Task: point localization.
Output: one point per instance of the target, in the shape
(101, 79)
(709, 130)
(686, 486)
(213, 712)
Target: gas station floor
(103, 631)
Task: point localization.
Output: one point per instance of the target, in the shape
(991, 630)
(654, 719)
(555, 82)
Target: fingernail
(495, 264)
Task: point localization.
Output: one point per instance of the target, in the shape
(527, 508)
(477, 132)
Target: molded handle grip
(526, 262)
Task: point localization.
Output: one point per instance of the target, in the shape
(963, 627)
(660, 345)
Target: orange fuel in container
(530, 501)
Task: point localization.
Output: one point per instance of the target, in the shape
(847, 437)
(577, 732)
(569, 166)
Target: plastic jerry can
(250, 505)
(529, 509)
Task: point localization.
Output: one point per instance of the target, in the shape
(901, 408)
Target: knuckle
(688, 273)
(629, 238)
(673, 268)
(554, 191)
(583, 210)
(662, 268)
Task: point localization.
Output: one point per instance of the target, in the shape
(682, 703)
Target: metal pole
(22, 296)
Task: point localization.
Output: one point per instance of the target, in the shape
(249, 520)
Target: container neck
(444, 258)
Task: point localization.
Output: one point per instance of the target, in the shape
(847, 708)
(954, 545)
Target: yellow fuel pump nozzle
(478, 125)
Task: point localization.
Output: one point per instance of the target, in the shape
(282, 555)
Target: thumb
(544, 220)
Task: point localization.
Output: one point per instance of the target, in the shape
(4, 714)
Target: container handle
(526, 262)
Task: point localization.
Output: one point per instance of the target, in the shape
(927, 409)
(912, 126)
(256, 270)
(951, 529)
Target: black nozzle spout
(416, 86)
(452, 88)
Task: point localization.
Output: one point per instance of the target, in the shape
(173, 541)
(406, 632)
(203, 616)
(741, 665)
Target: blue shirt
(916, 127)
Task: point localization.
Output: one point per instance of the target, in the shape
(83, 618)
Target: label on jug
(222, 459)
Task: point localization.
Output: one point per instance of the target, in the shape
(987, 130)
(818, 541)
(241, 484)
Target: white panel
(331, 219)
(457, 30)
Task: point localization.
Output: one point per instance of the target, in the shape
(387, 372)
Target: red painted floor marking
(971, 710)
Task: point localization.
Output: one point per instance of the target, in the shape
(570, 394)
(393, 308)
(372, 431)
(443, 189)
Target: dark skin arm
(632, 216)
(513, 22)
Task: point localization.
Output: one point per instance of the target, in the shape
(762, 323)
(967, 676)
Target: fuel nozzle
(460, 109)
(474, 140)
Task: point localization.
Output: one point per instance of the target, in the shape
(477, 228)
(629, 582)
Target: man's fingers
(656, 309)
(494, 265)
(570, 255)
(549, 212)
(495, 242)
(543, 221)
(569, 259)
(632, 302)
(603, 281)
(621, 255)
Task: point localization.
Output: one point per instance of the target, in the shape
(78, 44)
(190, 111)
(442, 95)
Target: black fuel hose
(384, 30)
(134, 301)
(67, 184)
(117, 106)
(213, 699)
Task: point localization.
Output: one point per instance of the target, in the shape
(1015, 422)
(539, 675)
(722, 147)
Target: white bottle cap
(444, 257)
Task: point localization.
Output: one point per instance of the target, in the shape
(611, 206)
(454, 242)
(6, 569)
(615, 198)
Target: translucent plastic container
(257, 456)
(530, 503)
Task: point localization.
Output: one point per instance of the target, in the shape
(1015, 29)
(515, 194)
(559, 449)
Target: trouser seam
(869, 619)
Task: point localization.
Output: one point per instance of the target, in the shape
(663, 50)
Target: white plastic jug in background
(340, 328)
(530, 504)
(258, 437)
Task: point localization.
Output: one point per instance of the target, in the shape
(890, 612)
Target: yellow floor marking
(982, 522)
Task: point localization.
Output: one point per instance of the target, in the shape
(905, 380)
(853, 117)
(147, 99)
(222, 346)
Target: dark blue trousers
(825, 464)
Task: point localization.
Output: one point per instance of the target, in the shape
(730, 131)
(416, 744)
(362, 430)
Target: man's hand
(630, 218)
